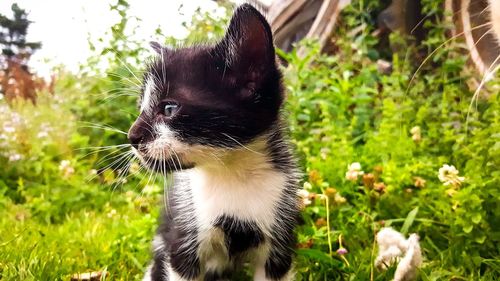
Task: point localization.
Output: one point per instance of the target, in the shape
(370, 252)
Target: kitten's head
(199, 99)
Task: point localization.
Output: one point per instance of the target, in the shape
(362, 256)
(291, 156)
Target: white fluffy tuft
(394, 248)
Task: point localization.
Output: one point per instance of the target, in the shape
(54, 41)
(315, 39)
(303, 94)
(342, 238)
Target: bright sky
(63, 26)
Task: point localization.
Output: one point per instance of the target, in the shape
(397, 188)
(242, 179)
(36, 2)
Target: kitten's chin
(164, 166)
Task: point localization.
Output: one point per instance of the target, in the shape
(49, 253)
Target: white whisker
(240, 144)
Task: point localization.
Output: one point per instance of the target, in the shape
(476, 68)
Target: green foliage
(401, 130)
(66, 207)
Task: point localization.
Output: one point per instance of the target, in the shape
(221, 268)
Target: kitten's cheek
(165, 145)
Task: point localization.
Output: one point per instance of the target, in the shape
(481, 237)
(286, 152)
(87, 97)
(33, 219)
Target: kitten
(211, 115)
(495, 18)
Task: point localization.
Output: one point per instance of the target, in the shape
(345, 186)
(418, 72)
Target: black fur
(240, 235)
(158, 270)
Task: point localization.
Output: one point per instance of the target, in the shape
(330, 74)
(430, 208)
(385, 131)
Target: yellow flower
(134, 168)
(416, 134)
(419, 182)
(339, 199)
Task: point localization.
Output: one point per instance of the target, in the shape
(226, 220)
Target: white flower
(324, 152)
(15, 157)
(307, 186)
(354, 166)
(111, 213)
(353, 171)
(46, 126)
(303, 193)
(44, 130)
(9, 129)
(448, 175)
(64, 164)
(394, 248)
(305, 196)
(42, 134)
(16, 118)
(352, 175)
(66, 168)
(306, 201)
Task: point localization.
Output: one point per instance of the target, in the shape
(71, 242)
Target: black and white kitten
(211, 115)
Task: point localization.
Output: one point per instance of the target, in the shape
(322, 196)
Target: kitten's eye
(170, 109)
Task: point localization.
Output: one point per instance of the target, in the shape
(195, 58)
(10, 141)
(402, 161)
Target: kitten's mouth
(165, 166)
(173, 162)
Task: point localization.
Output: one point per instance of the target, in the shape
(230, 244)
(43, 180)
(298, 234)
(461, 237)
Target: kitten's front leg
(174, 276)
(176, 260)
(184, 263)
(275, 263)
(164, 272)
(260, 274)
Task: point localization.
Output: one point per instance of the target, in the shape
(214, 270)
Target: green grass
(84, 241)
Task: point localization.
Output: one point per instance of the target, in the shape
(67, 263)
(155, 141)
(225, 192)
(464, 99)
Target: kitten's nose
(135, 136)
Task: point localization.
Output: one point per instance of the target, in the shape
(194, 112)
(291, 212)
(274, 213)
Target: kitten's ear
(157, 47)
(248, 43)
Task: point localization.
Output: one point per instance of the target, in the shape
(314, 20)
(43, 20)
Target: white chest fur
(240, 183)
(251, 196)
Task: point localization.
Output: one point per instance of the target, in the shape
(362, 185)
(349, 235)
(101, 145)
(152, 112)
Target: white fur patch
(394, 248)
(164, 143)
(147, 275)
(148, 99)
(244, 186)
(158, 244)
(213, 251)
(174, 276)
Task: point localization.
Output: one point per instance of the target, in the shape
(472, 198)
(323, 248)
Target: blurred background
(393, 110)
